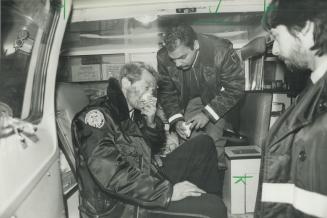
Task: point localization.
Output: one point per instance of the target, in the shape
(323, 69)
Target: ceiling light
(146, 19)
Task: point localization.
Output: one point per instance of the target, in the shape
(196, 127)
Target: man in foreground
(294, 164)
(112, 139)
(201, 79)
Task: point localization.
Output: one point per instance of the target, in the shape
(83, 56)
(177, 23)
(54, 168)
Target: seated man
(112, 138)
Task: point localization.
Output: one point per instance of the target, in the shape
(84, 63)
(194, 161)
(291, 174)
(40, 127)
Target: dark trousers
(215, 131)
(196, 162)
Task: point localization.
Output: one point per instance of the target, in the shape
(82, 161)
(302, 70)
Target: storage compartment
(90, 68)
(241, 178)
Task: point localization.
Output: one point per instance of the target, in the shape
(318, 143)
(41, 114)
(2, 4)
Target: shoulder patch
(94, 118)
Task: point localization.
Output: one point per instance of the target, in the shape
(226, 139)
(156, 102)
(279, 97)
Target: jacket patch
(94, 118)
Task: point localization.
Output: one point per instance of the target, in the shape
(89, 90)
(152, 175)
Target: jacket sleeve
(231, 77)
(168, 93)
(156, 136)
(110, 168)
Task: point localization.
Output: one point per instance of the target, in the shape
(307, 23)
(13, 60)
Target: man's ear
(196, 45)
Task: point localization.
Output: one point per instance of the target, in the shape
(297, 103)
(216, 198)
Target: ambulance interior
(95, 48)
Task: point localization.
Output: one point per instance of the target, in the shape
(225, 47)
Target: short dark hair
(295, 13)
(183, 32)
(132, 71)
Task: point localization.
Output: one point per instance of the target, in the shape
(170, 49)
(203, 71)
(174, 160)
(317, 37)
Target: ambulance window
(24, 24)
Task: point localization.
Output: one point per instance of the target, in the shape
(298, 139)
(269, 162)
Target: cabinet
(241, 178)
(100, 10)
(265, 72)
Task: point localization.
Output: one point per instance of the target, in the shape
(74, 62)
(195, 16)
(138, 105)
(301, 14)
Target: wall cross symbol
(241, 179)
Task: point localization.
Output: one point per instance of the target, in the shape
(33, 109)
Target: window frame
(35, 90)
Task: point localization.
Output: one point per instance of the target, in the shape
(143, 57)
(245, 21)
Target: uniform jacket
(218, 71)
(115, 175)
(293, 177)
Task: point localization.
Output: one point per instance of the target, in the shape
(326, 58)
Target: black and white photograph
(163, 109)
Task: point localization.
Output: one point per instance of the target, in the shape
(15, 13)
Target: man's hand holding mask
(148, 105)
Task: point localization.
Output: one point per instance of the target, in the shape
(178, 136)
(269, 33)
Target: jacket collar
(117, 104)
(308, 105)
(116, 101)
(205, 51)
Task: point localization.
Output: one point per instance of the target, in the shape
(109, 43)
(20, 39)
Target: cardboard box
(241, 178)
(111, 70)
(82, 69)
(90, 72)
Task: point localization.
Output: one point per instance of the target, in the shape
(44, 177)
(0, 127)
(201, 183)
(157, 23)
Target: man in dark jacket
(116, 175)
(293, 178)
(201, 79)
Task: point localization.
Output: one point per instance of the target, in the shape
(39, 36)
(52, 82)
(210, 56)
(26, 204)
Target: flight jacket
(220, 77)
(115, 173)
(293, 176)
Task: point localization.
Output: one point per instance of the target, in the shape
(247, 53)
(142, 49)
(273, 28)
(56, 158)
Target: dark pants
(214, 130)
(194, 161)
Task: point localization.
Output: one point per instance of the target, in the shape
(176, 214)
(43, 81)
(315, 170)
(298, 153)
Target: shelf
(147, 46)
(94, 81)
(273, 91)
(111, 49)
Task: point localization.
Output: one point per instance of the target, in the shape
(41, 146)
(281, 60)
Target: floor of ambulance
(73, 209)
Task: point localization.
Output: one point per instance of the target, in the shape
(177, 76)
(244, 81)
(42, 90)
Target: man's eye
(273, 34)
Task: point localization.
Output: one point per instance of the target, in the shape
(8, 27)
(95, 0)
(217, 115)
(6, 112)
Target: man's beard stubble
(297, 59)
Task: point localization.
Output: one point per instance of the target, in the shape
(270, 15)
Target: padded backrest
(255, 111)
(255, 107)
(255, 47)
(70, 99)
(251, 117)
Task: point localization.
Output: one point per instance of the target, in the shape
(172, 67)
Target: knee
(202, 146)
(205, 143)
(203, 139)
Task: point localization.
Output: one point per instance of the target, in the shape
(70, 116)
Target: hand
(148, 108)
(199, 121)
(180, 129)
(185, 189)
(171, 144)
